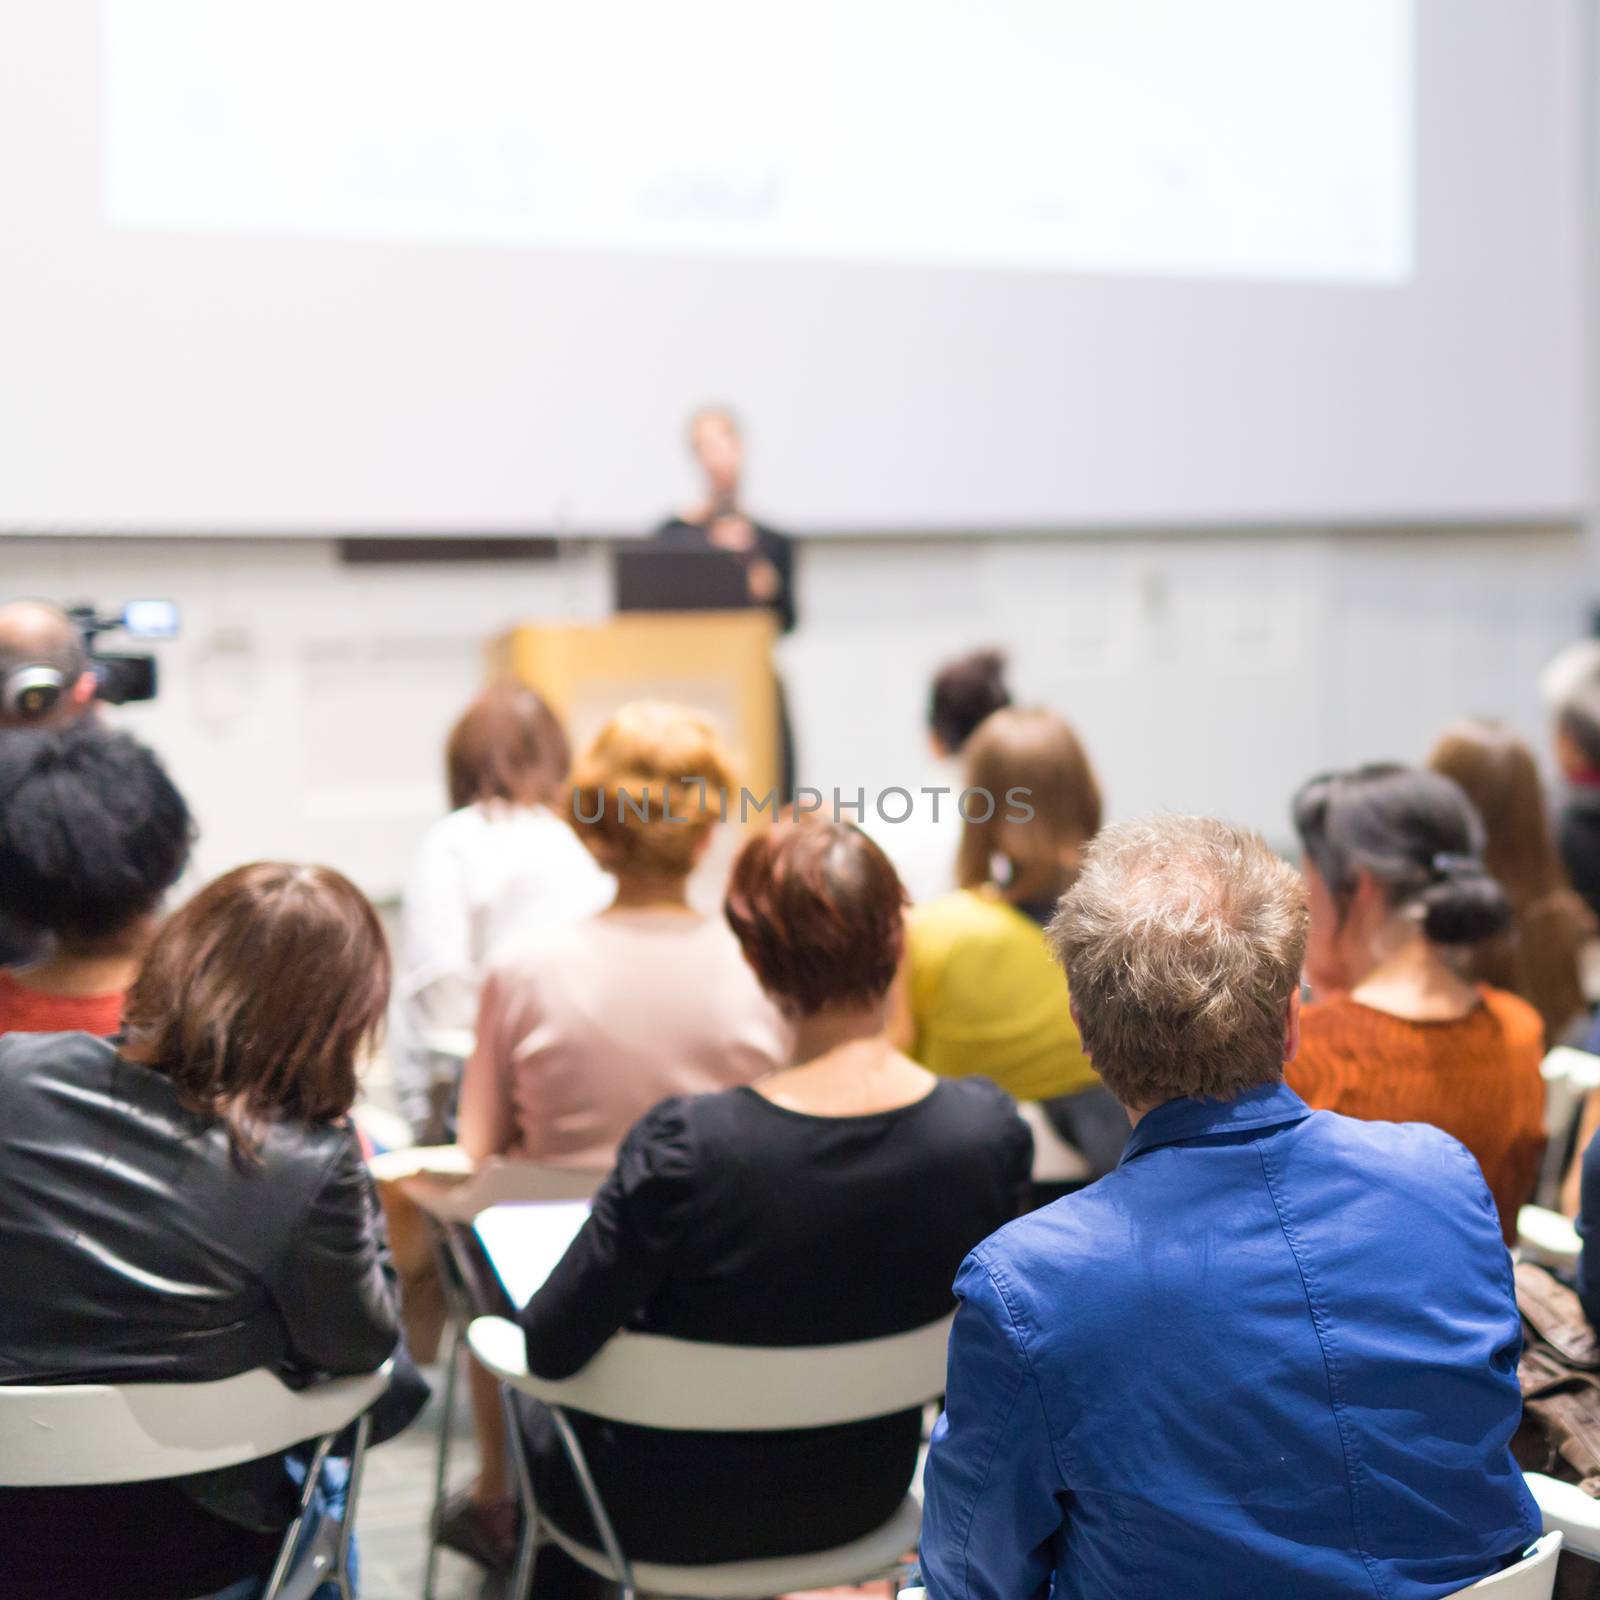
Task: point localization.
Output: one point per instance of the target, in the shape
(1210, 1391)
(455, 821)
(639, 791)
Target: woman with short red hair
(830, 1201)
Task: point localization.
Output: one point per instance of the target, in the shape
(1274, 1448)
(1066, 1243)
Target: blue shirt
(1273, 1354)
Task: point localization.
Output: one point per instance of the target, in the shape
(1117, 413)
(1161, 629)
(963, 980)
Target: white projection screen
(464, 266)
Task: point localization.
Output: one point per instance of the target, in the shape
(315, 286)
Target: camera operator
(46, 679)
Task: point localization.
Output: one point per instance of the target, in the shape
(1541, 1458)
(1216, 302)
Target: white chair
(1547, 1237)
(1569, 1076)
(1054, 1160)
(74, 1435)
(1533, 1577)
(673, 1384)
(1570, 1512)
(444, 1183)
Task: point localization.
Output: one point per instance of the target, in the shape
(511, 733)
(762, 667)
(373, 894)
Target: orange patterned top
(1476, 1077)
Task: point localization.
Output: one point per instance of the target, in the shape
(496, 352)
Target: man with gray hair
(1275, 1352)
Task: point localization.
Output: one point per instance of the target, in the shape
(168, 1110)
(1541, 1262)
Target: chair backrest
(1568, 1510)
(1533, 1577)
(1054, 1160)
(1547, 1237)
(74, 1434)
(1569, 1075)
(655, 1382)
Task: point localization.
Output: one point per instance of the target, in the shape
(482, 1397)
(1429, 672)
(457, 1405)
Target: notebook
(525, 1241)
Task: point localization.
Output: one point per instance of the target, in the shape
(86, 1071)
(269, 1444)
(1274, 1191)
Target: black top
(769, 545)
(136, 1245)
(1578, 834)
(731, 1220)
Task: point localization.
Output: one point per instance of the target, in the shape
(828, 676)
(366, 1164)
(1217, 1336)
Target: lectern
(719, 662)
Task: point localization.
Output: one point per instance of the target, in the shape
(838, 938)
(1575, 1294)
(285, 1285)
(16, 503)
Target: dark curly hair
(817, 909)
(92, 830)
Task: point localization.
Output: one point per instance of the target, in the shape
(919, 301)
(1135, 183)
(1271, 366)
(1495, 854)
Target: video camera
(121, 677)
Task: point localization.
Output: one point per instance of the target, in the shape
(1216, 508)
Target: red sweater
(25, 1010)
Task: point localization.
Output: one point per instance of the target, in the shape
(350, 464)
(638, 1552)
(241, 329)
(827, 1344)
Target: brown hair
(258, 996)
(507, 745)
(816, 907)
(1539, 958)
(650, 787)
(1182, 941)
(1035, 753)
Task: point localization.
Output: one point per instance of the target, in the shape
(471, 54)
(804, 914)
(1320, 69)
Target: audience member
(583, 1029)
(965, 691)
(189, 1204)
(1538, 956)
(92, 835)
(45, 677)
(1275, 1352)
(983, 996)
(829, 1202)
(923, 848)
(1578, 814)
(1588, 1222)
(45, 682)
(1399, 894)
(501, 865)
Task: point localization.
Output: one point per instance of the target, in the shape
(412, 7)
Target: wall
(304, 707)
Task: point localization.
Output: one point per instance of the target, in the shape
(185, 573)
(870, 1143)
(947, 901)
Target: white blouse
(487, 873)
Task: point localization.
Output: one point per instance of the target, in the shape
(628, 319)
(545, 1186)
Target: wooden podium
(719, 662)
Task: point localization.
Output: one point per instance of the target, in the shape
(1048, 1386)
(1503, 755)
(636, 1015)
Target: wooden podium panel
(719, 662)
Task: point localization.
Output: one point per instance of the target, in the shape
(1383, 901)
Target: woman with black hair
(92, 835)
(964, 693)
(1393, 861)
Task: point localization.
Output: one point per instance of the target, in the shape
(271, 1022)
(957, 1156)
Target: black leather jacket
(137, 1245)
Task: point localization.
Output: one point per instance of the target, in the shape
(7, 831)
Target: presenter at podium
(718, 521)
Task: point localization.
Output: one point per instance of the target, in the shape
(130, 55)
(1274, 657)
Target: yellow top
(988, 1000)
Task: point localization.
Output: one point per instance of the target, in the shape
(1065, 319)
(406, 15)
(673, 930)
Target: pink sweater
(585, 1029)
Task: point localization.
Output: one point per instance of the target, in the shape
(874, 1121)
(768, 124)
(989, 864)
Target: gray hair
(1182, 941)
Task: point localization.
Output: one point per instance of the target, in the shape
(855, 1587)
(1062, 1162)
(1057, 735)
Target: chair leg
(441, 1465)
(528, 1539)
(591, 1494)
(291, 1540)
(347, 1525)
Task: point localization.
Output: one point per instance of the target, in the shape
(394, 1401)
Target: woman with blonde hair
(1537, 957)
(582, 1030)
(982, 996)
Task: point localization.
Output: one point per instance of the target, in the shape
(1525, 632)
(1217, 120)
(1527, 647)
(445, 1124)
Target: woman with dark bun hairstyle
(965, 691)
(830, 1201)
(1400, 898)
